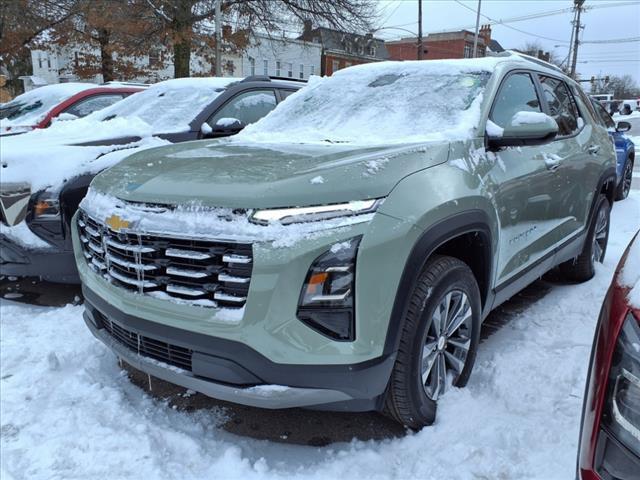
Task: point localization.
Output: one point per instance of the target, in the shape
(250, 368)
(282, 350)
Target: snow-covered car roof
(30, 108)
(169, 106)
(382, 103)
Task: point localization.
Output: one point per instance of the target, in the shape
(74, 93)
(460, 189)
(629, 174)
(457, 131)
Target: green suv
(342, 252)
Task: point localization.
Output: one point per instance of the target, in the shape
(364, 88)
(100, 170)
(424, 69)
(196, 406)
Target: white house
(281, 57)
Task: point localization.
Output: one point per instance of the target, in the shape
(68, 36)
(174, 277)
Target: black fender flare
(470, 221)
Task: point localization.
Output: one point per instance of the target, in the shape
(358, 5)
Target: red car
(610, 433)
(66, 101)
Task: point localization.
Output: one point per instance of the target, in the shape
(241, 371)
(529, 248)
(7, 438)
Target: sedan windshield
(388, 102)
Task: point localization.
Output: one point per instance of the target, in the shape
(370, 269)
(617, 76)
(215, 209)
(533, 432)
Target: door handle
(552, 164)
(593, 149)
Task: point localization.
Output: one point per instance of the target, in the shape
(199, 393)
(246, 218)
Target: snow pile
(529, 118)
(494, 130)
(69, 412)
(195, 220)
(382, 103)
(630, 275)
(30, 108)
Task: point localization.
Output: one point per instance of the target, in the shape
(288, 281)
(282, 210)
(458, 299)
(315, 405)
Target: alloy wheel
(626, 179)
(445, 351)
(600, 236)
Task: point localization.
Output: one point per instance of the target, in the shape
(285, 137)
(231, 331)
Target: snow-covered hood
(46, 158)
(256, 175)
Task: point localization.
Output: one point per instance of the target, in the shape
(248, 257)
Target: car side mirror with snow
(623, 126)
(222, 128)
(525, 129)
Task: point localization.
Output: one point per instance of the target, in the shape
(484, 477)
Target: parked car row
(341, 251)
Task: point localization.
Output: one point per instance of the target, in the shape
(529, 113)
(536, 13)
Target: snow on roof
(382, 103)
(630, 274)
(168, 106)
(33, 106)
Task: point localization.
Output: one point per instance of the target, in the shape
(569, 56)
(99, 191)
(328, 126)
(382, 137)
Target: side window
(562, 106)
(285, 93)
(93, 104)
(603, 115)
(248, 107)
(517, 94)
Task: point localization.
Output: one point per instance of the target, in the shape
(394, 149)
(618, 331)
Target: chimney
(306, 31)
(485, 33)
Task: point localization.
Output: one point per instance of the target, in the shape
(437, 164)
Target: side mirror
(63, 117)
(623, 126)
(223, 127)
(525, 129)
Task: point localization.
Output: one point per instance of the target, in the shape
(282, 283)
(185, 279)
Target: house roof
(351, 43)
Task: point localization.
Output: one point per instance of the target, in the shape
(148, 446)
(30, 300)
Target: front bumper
(50, 264)
(231, 371)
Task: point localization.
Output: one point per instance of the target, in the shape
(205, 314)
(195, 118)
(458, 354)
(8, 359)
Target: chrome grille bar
(203, 273)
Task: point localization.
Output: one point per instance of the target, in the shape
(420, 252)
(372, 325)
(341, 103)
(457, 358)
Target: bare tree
(537, 50)
(622, 87)
(22, 22)
(188, 23)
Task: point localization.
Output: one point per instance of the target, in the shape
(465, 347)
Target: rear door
(577, 150)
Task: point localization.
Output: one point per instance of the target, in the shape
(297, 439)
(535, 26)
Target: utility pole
(576, 36)
(218, 40)
(475, 38)
(420, 47)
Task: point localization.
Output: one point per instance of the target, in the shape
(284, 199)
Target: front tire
(582, 268)
(438, 342)
(622, 191)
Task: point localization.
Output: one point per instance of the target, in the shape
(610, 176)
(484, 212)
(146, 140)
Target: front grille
(148, 347)
(197, 272)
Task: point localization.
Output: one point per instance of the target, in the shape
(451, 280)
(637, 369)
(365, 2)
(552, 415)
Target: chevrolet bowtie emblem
(116, 223)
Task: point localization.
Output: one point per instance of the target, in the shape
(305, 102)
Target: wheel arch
(466, 236)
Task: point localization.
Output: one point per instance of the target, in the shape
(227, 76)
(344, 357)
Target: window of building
(278, 68)
(154, 57)
(247, 107)
(517, 94)
(335, 65)
(562, 106)
(312, 69)
(372, 51)
(252, 65)
(265, 67)
(289, 69)
(301, 70)
(468, 50)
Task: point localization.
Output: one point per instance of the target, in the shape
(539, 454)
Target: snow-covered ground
(68, 412)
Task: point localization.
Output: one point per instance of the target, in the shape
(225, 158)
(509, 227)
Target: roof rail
(266, 78)
(540, 62)
(133, 84)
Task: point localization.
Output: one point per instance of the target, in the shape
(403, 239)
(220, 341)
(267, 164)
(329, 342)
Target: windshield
(389, 102)
(168, 106)
(31, 107)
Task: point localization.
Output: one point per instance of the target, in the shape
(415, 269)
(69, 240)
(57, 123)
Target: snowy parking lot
(69, 412)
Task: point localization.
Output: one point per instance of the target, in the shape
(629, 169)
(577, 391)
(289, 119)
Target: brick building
(458, 44)
(343, 49)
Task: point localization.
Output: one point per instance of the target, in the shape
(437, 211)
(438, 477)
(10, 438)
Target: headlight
(621, 414)
(327, 298)
(46, 205)
(287, 216)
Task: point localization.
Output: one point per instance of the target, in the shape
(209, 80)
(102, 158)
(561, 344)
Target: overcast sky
(608, 19)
